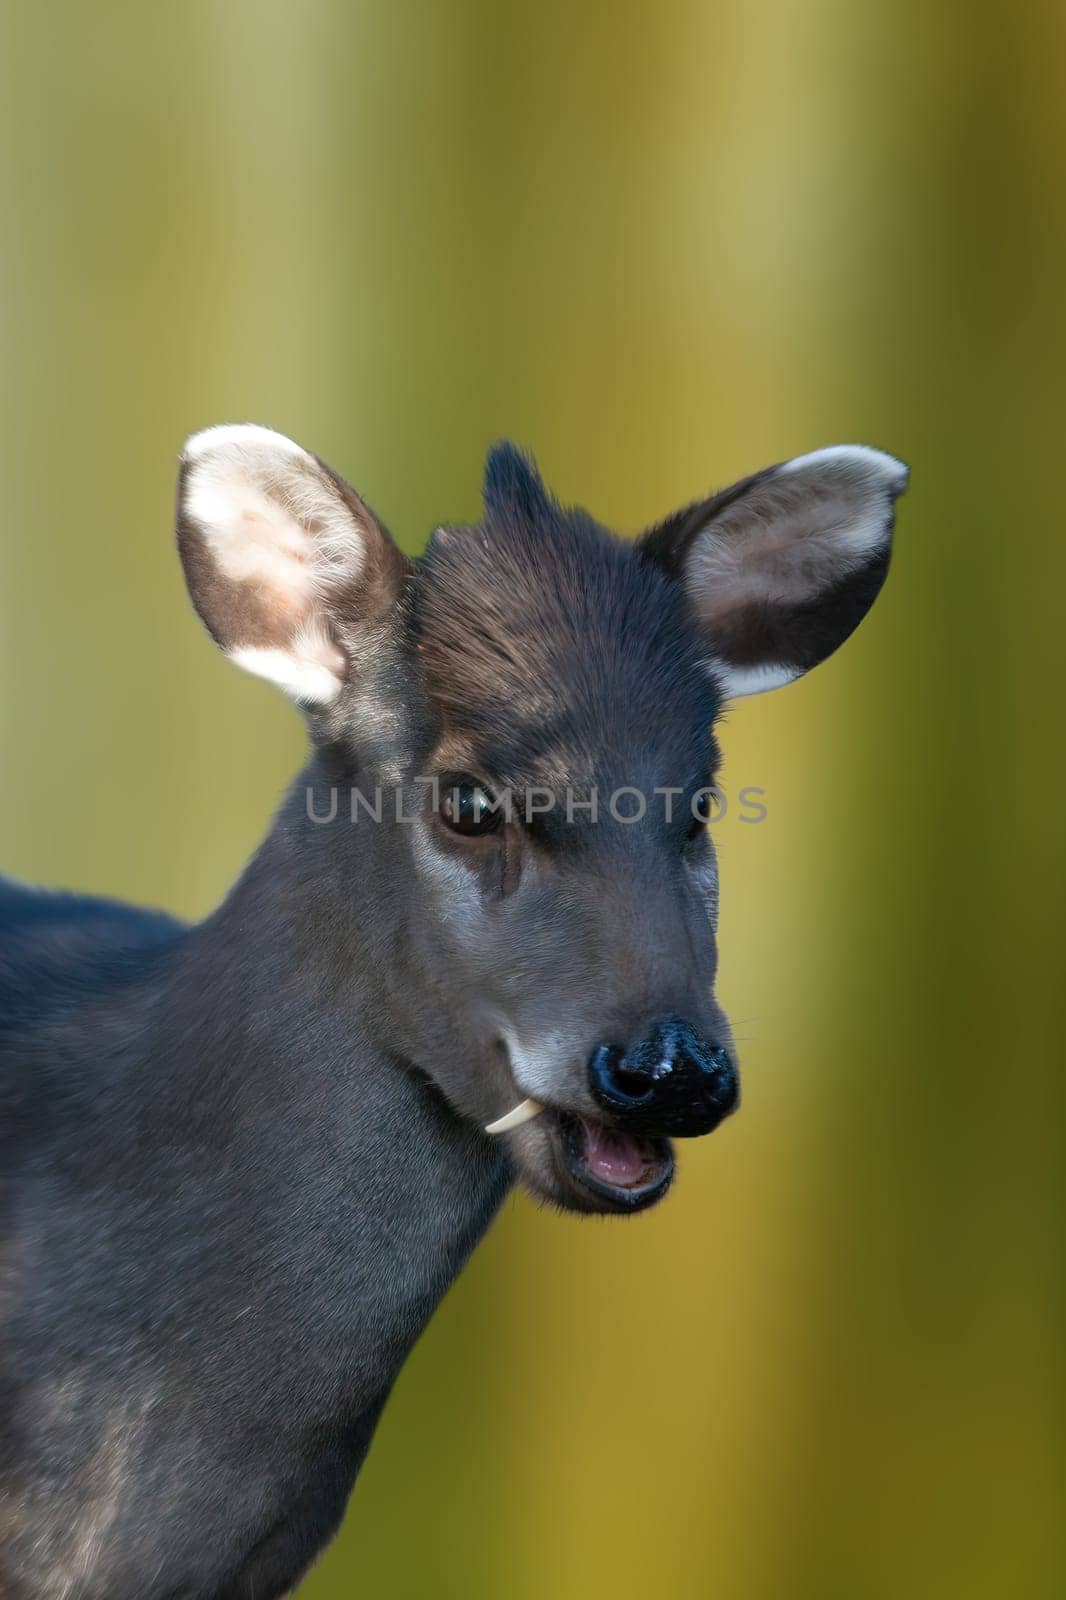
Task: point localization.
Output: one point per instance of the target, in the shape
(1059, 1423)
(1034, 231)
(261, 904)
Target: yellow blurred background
(662, 246)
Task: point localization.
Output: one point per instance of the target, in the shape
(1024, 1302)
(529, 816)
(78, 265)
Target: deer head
(540, 696)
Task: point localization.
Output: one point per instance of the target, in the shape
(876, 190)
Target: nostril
(633, 1085)
(615, 1085)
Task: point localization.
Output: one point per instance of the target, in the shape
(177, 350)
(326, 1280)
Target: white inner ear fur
(273, 519)
(736, 682)
(795, 533)
(312, 670)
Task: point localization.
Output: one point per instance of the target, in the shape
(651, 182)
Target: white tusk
(514, 1119)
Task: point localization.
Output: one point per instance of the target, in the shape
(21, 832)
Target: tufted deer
(243, 1160)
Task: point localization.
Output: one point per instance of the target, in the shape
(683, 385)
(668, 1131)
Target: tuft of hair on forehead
(513, 484)
(539, 628)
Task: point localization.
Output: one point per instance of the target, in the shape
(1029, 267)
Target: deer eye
(702, 810)
(467, 807)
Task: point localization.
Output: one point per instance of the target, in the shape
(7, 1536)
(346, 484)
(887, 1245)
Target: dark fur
(540, 631)
(243, 1160)
(210, 1261)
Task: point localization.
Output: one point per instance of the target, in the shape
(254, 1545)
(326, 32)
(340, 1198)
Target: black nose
(672, 1082)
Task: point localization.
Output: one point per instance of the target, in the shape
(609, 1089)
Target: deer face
(541, 695)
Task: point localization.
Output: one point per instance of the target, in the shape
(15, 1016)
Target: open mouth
(597, 1166)
(621, 1171)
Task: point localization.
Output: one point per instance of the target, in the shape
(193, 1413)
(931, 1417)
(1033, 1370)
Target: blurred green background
(663, 246)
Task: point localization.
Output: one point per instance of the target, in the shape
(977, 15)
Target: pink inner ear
(262, 544)
(275, 550)
(784, 543)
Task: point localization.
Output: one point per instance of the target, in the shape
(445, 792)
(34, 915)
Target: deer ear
(780, 568)
(285, 564)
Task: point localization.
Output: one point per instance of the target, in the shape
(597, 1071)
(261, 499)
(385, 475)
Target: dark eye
(467, 807)
(701, 811)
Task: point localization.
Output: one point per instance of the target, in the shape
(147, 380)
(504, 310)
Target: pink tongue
(614, 1158)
